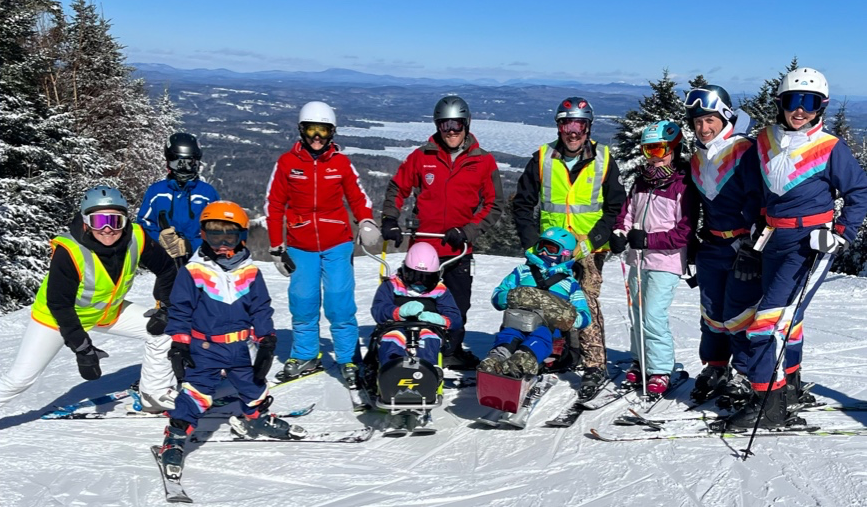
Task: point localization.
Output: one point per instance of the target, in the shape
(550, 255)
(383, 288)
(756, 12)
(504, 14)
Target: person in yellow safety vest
(575, 183)
(92, 268)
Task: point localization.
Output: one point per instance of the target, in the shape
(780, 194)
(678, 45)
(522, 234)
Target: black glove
(455, 237)
(88, 362)
(265, 357)
(391, 231)
(617, 243)
(284, 263)
(748, 263)
(181, 358)
(578, 270)
(159, 319)
(637, 239)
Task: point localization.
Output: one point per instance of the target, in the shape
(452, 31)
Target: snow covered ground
(108, 462)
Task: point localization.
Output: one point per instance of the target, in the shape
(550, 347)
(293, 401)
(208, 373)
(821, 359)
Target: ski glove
(391, 231)
(455, 237)
(88, 361)
(180, 356)
(827, 241)
(410, 310)
(433, 318)
(264, 357)
(748, 263)
(175, 245)
(158, 319)
(368, 233)
(617, 242)
(285, 264)
(637, 239)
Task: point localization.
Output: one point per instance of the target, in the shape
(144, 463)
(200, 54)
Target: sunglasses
(312, 130)
(184, 165)
(573, 126)
(809, 102)
(655, 150)
(99, 221)
(446, 126)
(219, 239)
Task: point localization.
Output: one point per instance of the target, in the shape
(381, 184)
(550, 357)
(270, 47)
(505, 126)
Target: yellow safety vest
(98, 300)
(575, 207)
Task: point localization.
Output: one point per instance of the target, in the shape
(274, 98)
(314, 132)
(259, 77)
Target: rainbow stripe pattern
(767, 322)
(742, 321)
(202, 401)
(226, 287)
(807, 159)
(714, 325)
(719, 170)
(401, 289)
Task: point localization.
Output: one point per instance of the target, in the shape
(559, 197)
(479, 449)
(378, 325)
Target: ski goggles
(655, 150)
(426, 279)
(704, 99)
(809, 102)
(218, 239)
(312, 130)
(548, 247)
(577, 126)
(187, 165)
(100, 221)
(450, 125)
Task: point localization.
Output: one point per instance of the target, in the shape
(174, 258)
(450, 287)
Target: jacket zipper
(316, 202)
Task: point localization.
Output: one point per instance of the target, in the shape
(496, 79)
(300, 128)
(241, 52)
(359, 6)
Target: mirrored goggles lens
(573, 126)
(701, 98)
(450, 125)
(428, 280)
(318, 129)
(219, 239)
(100, 221)
(548, 247)
(809, 102)
(189, 165)
(655, 150)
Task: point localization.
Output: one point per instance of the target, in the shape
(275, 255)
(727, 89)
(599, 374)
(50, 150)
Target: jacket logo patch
(429, 178)
(331, 170)
(297, 172)
(429, 166)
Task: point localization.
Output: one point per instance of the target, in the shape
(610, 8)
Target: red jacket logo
(429, 178)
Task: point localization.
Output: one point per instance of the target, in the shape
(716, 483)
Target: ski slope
(108, 462)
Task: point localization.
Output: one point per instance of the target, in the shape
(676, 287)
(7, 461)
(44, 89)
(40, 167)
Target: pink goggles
(99, 221)
(573, 126)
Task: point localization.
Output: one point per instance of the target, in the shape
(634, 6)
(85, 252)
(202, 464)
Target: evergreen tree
(839, 126)
(762, 108)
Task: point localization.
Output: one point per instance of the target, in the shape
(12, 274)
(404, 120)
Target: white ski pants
(41, 343)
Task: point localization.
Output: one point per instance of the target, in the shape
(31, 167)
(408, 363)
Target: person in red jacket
(307, 189)
(459, 194)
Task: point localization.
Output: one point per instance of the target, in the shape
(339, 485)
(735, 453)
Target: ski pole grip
(162, 221)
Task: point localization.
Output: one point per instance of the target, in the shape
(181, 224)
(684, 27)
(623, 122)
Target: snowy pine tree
(761, 107)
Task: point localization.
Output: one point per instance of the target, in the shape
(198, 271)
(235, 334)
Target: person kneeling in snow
(541, 299)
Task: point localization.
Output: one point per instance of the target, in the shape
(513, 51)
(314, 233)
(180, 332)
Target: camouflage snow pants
(591, 339)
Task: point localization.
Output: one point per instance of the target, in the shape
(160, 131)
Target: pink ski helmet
(421, 266)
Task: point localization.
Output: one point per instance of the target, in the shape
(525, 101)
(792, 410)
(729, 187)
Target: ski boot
(159, 402)
(657, 384)
(267, 426)
(172, 451)
(461, 359)
(295, 368)
(521, 364)
(592, 381)
(709, 382)
(774, 416)
(349, 371)
(633, 377)
(735, 393)
(493, 363)
(796, 396)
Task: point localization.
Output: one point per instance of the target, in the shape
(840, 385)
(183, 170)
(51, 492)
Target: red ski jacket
(310, 193)
(466, 193)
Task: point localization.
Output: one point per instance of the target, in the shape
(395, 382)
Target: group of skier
(768, 227)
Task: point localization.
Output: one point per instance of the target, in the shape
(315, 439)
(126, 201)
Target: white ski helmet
(804, 80)
(317, 112)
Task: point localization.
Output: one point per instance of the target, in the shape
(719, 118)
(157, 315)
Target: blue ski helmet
(103, 197)
(563, 239)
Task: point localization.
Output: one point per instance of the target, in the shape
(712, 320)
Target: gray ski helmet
(574, 107)
(452, 107)
(182, 145)
(103, 197)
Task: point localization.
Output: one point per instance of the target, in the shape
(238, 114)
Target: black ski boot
(591, 382)
(172, 451)
(461, 359)
(774, 415)
(796, 397)
(709, 382)
(735, 393)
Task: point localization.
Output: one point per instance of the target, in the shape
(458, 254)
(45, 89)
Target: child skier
(660, 219)
(523, 343)
(220, 301)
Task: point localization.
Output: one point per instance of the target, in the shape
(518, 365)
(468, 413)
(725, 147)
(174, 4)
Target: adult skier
(724, 169)
(576, 183)
(307, 190)
(804, 170)
(459, 194)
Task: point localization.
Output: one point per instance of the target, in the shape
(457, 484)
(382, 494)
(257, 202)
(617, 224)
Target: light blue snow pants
(657, 288)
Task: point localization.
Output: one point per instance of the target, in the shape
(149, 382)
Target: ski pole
(628, 294)
(816, 259)
(641, 326)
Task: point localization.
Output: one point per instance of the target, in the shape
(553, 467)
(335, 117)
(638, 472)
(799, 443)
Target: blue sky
(735, 43)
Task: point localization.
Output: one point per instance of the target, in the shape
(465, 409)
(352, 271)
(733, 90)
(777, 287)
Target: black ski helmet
(182, 145)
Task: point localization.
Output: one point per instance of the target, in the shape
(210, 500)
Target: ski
(519, 419)
(132, 414)
(174, 490)
(396, 425)
(343, 437)
(813, 431)
(491, 418)
(712, 416)
(606, 395)
(421, 424)
(61, 412)
(280, 379)
(678, 378)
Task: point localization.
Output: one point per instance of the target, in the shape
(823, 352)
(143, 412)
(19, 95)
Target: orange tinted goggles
(655, 150)
(318, 129)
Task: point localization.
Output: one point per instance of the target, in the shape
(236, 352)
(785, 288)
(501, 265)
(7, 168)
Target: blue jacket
(567, 288)
(212, 301)
(392, 293)
(183, 207)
